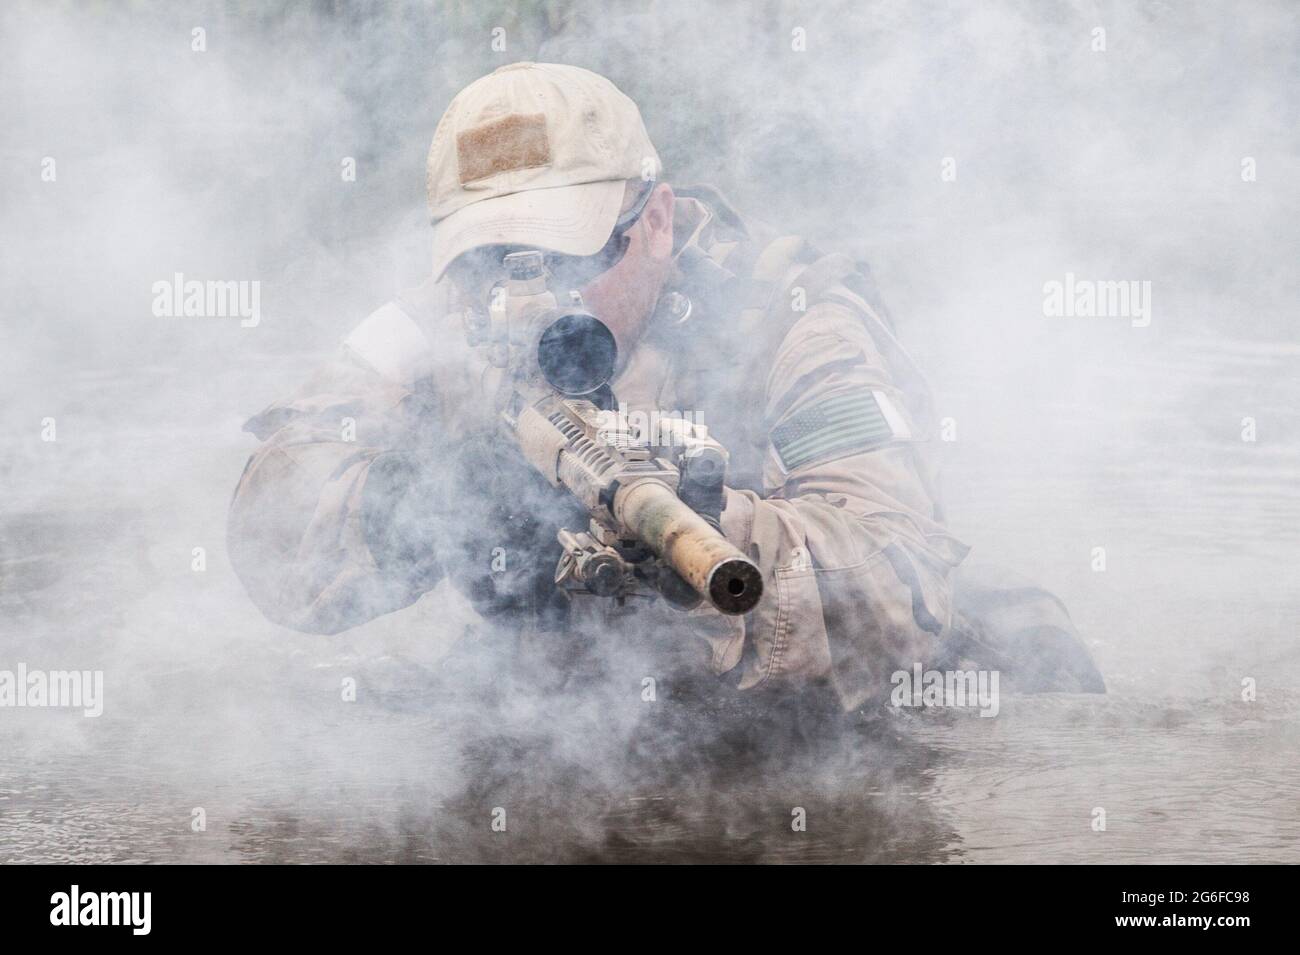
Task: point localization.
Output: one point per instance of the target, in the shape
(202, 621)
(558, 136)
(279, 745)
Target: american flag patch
(836, 427)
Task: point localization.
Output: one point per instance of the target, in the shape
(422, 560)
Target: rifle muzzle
(706, 560)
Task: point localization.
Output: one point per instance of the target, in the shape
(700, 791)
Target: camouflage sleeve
(857, 565)
(326, 528)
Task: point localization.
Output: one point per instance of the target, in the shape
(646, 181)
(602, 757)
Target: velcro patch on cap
(517, 141)
(836, 427)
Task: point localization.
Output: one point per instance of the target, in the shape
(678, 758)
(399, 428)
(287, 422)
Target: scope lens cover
(577, 354)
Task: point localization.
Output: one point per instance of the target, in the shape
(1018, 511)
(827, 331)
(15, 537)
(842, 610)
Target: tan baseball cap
(534, 154)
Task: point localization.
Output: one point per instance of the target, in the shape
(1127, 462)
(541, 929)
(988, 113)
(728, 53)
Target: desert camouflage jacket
(788, 358)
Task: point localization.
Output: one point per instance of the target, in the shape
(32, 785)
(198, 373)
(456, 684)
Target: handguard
(636, 513)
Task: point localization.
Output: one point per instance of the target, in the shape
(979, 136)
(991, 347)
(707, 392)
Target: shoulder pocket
(837, 426)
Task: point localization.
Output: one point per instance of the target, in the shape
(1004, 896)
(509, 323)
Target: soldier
(786, 354)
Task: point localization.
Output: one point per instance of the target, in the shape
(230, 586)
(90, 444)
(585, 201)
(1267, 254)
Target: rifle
(653, 508)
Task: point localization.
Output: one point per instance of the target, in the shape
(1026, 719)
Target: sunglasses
(481, 269)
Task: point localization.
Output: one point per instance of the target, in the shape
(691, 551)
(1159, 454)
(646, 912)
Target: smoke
(971, 153)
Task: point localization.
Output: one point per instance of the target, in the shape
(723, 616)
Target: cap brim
(571, 220)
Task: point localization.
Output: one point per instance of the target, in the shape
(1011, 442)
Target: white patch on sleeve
(390, 342)
(897, 423)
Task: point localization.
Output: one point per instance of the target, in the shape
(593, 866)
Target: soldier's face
(624, 296)
(620, 284)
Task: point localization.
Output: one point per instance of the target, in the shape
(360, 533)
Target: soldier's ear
(657, 221)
